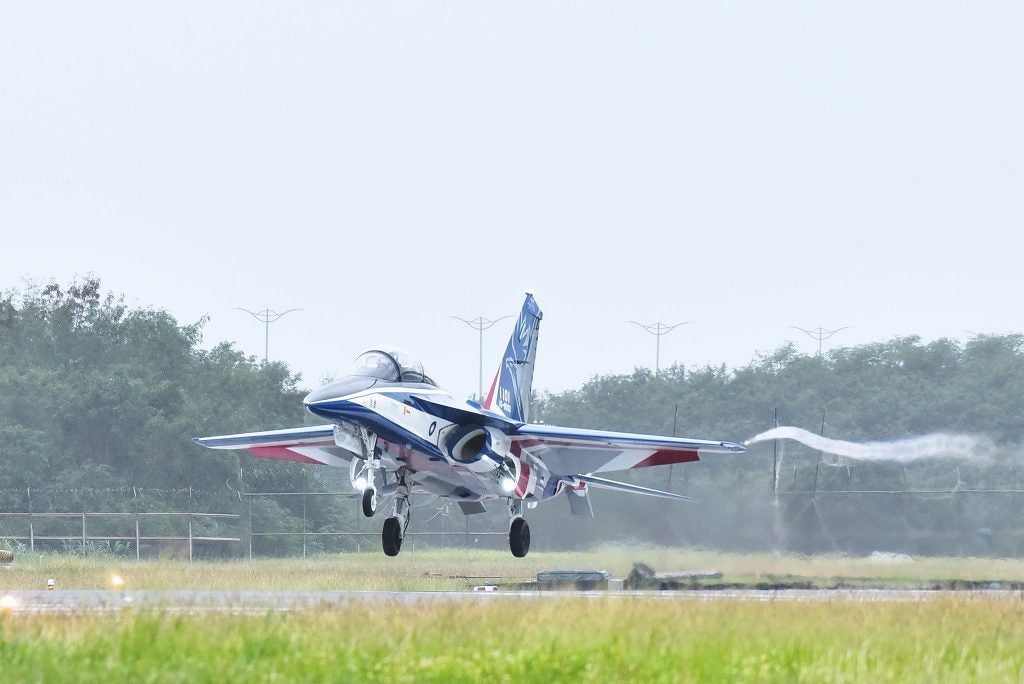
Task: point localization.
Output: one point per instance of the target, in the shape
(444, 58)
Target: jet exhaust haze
(937, 445)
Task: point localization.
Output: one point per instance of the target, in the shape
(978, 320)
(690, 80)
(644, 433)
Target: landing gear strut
(364, 473)
(394, 527)
(518, 530)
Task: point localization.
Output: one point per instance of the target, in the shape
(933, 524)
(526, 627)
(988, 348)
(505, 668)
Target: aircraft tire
(391, 537)
(369, 502)
(519, 537)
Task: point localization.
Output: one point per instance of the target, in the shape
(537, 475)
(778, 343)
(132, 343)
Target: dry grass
(433, 570)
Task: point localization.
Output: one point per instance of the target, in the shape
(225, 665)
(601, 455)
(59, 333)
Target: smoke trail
(938, 445)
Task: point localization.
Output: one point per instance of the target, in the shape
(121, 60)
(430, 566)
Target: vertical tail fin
(510, 391)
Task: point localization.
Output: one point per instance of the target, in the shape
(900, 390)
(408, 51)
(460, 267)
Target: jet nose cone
(328, 391)
(337, 390)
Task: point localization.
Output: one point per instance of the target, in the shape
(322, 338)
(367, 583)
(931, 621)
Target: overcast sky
(745, 165)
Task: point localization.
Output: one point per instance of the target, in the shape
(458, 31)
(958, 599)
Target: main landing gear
(394, 527)
(518, 529)
(393, 534)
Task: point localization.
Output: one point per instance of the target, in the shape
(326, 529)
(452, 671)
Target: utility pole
(266, 317)
(658, 329)
(480, 324)
(820, 333)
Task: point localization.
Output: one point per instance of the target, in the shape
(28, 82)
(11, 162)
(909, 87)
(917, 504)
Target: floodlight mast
(480, 324)
(658, 329)
(266, 316)
(820, 333)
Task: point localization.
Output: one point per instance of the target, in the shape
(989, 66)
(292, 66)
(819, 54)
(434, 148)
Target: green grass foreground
(948, 640)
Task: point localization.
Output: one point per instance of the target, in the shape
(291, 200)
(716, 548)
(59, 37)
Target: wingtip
(734, 447)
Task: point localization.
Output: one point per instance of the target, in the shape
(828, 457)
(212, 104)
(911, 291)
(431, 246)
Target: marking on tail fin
(510, 392)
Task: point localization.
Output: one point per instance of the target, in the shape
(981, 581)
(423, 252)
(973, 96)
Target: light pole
(266, 316)
(820, 333)
(658, 329)
(480, 324)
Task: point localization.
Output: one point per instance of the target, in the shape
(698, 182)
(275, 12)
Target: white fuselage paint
(409, 419)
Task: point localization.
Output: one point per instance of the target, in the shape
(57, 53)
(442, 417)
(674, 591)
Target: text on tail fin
(510, 391)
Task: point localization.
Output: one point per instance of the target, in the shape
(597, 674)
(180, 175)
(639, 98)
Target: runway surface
(255, 601)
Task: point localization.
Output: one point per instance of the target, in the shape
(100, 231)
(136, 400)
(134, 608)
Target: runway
(255, 601)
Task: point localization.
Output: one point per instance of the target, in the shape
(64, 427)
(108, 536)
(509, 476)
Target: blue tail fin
(510, 391)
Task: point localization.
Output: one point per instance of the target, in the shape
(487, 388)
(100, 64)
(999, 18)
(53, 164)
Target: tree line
(99, 401)
(98, 398)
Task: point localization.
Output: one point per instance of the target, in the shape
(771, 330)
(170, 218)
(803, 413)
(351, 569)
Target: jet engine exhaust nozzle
(481, 449)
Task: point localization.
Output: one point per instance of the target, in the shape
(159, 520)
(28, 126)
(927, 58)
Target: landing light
(8, 603)
(116, 581)
(360, 484)
(507, 484)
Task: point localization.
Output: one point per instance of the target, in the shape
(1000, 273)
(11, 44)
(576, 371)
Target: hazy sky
(744, 165)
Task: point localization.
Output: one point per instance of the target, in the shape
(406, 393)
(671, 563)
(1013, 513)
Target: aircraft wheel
(519, 537)
(369, 502)
(391, 536)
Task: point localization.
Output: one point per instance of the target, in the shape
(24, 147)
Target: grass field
(945, 640)
(951, 639)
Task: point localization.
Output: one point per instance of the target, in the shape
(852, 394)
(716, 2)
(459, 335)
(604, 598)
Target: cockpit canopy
(391, 364)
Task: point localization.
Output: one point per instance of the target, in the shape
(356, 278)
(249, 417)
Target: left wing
(305, 445)
(572, 451)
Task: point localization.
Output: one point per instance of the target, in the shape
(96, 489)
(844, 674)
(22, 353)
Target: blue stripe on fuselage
(345, 411)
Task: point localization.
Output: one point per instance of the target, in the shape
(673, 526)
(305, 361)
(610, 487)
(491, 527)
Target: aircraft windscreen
(391, 364)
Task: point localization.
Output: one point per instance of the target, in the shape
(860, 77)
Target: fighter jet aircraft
(402, 435)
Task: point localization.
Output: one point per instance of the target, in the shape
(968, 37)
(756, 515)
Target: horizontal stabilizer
(602, 483)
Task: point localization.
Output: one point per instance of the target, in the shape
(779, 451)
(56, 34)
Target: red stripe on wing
(281, 453)
(668, 457)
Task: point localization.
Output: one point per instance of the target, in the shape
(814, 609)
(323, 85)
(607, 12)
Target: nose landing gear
(363, 475)
(369, 501)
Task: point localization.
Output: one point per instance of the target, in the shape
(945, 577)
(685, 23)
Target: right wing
(575, 451)
(305, 445)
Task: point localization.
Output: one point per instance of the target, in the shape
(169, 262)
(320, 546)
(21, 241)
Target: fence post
(190, 523)
(250, 527)
(244, 499)
(85, 551)
(31, 528)
(135, 499)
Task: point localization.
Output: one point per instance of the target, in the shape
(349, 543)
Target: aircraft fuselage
(422, 440)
